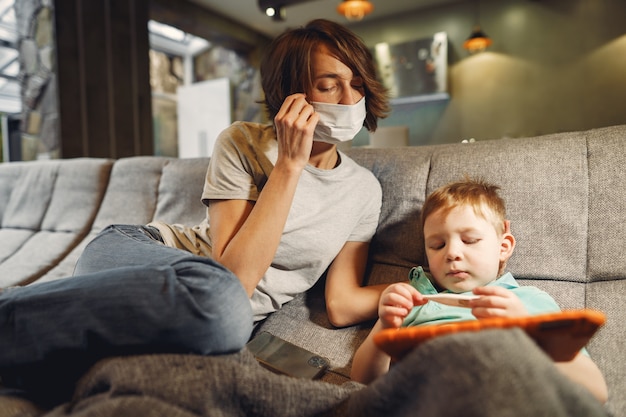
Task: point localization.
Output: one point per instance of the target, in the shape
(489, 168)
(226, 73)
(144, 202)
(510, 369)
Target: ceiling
(248, 13)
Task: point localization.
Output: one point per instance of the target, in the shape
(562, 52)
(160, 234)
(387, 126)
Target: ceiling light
(277, 13)
(355, 9)
(477, 41)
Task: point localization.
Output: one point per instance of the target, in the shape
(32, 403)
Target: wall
(39, 132)
(554, 65)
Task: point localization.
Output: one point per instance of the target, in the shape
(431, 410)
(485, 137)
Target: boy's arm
(500, 302)
(369, 361)
(584, 371)
(396, 301)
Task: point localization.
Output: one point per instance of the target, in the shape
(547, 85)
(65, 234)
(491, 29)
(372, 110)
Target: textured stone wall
(36, 43)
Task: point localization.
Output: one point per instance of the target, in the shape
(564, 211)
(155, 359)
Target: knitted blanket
(470, 374)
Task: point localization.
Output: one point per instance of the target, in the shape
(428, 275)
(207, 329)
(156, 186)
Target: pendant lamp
(355, 9)
(477, 41)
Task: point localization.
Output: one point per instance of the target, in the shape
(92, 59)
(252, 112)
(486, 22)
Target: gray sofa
(566, 201)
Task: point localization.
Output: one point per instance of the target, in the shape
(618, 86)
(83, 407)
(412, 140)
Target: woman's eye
(326, 88)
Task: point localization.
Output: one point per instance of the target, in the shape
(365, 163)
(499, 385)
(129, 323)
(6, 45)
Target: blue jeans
(129, 294)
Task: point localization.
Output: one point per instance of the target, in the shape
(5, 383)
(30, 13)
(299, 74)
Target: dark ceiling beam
(212, 26)
(264, 4)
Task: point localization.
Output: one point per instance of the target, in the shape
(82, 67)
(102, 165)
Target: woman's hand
(496, 302)
(295, 123)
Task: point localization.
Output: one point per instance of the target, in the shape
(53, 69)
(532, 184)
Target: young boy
(468, 243)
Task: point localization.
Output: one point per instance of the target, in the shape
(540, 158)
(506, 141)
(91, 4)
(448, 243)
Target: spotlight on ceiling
(277, 13)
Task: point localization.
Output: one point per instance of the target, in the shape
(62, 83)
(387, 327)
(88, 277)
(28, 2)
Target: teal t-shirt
(535, 300)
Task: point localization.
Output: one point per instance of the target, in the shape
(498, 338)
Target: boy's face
(464, 250)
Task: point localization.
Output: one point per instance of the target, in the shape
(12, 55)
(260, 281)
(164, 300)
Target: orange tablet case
(561, 335)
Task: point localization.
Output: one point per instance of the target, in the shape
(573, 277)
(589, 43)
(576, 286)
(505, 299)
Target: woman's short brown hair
(286, 68)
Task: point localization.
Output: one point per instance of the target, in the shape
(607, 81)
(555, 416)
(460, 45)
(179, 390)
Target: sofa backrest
(46, 207)
(563, 194)
(143, 189)
(566, 200)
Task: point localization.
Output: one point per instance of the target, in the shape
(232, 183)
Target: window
(10, 101)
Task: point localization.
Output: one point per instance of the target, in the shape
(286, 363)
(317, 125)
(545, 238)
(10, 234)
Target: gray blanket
(473, 374)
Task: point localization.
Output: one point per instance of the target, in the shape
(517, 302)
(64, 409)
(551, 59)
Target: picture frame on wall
(415, 70)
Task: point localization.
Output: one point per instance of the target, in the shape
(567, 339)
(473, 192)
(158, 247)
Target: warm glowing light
(477, 41)
(355, 9)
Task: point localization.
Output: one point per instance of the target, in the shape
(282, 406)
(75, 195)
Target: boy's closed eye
(470, 241)
(438, 244)
(435, 244)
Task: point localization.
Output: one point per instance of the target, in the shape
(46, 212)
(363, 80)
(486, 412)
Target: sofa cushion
(142, 189)
(180, 191)
(47, 208)
(403, 175)
(303, 322)
(131, 197)
(546, 199)
(607, 202)
(547, 203)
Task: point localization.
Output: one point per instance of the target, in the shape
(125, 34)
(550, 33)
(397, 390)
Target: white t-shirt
(330, 208)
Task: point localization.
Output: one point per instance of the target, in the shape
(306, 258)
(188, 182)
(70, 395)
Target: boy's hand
(396, 301)
(496, 302)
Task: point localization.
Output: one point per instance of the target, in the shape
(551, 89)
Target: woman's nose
(350, 96)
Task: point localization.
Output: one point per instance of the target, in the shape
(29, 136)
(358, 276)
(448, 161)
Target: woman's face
(333, 81)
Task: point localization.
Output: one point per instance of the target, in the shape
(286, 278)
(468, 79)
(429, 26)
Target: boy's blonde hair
(482, 196)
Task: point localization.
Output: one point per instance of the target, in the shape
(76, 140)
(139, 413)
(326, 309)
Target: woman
(284, 206)
(284, 203)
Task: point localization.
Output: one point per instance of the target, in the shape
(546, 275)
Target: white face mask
(338, 122)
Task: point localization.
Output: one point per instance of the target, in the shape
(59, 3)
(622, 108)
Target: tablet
(561, 334)
(283, 357)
